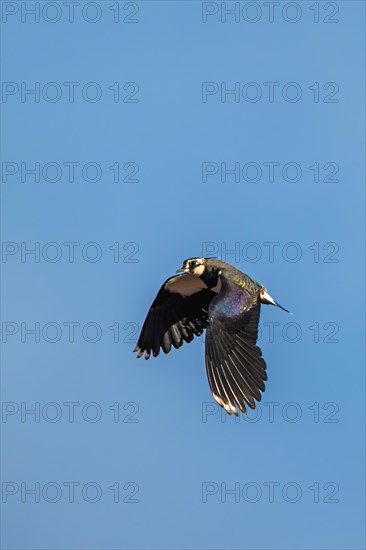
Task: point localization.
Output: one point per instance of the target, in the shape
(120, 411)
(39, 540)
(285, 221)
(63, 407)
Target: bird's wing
(179, 311)
(235, 367)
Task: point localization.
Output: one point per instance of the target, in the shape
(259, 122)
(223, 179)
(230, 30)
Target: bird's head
(195, 266)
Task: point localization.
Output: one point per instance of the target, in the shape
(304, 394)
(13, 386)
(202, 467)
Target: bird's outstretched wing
(179, 311)
(235, 367)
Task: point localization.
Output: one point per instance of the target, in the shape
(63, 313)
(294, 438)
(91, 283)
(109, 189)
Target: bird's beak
(182, 270)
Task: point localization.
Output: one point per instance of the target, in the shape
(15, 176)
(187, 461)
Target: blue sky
(155, 132)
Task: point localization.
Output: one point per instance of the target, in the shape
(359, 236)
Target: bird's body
(214, 295)
(238, 292)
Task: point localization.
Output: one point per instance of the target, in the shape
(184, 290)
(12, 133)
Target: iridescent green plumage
(230, 273)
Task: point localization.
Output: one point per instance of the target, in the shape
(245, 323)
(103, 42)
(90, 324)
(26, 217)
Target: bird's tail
(267, 299)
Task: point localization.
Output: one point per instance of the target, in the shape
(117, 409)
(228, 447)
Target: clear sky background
(127, 454)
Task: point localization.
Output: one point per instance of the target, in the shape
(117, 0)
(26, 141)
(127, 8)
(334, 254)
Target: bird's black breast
(210, 278)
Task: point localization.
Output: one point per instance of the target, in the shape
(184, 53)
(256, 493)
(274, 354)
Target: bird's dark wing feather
(235, 367)
(179, 311)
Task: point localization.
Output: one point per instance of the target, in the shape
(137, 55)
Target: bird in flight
(211, 294)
